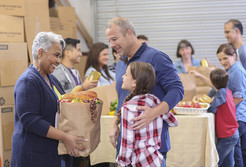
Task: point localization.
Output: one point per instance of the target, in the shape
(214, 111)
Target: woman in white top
(97, 61)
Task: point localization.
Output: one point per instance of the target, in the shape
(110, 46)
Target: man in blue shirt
(122, 37)
(233, 30)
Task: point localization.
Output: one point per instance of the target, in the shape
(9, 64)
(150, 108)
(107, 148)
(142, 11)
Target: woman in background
(227, 56)
(185, 51)
(97, 61)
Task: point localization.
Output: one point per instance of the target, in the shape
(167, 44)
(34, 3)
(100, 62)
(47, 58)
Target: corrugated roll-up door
(166, 22)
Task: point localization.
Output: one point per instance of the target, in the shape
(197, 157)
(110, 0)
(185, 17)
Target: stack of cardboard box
(63, 21)
(13, 62)
(36, 20)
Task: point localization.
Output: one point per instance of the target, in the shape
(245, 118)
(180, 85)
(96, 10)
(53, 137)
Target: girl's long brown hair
(144, 74)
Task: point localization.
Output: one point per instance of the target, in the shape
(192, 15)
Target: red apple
(187, 105)
(197, 105)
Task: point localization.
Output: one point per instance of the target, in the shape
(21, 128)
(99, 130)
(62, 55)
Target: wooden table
(192, 142)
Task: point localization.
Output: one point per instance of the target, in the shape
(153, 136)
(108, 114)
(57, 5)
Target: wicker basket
(190, 111)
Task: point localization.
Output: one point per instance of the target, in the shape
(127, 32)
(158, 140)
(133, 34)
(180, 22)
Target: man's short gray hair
(123, 23)
(45, 40)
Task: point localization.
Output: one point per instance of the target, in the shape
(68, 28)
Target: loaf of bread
(83, 95)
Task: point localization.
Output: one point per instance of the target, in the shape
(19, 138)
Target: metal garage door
(166, 22)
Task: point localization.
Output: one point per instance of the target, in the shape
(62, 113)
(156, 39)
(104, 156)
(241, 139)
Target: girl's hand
(114, 132)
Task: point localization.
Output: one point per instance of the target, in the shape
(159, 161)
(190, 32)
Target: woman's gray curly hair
(45, 40)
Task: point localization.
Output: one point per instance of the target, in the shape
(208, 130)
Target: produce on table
(113, 107)
(198, 105)
(197, 102)
(203, 99)
(192, 104)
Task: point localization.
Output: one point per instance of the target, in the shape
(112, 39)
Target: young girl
(140, 147)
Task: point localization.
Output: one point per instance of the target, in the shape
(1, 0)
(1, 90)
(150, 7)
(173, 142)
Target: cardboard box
(204, 71)
(56, 25)
(81, 67)
(12, 7)
(36, 20)
(11, 29)
(7, 95)
(53, 12)
(6, 131)
(65, 23)
(189, 84)
(67, 17)
(107, 94)
(200, 90)
(13, 62)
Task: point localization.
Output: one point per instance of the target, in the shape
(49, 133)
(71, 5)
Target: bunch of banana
(203, 99)
(204, 63)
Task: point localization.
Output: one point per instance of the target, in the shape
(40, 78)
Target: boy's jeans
(240, 149)
(225, 148)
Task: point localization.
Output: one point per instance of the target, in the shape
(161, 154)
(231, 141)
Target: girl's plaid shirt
(140, 147)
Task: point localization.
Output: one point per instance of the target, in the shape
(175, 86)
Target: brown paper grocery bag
(204, 71)
(201, 90)
(76, 119)
(189, 84)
